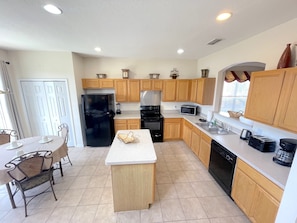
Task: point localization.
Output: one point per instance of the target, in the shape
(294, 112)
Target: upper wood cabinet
(151, 84)
(169, 89)
(97, 83)
(183, 88)
(127, 90)
(121, 90)
(176, 90)
(133, 90)
(272, 98)
(263, 96)
(286, 117)
(202, 90)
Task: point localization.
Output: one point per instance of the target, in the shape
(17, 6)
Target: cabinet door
(195, 140)
(146, 85)
(204, 153)
(264, 208)
(183, 88)
(205, 91)
(121, 90)
(242, 190)
(90, 83)
(120, 124)
(106, 83)
(133, 123)
(172, 128)
(193, 90)
(263, 96)
(187, 132)
(287, 109)
(133, 90)
(169, 89)
(157, 85)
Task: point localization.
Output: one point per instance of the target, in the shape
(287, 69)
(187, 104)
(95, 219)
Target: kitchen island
(133, 167)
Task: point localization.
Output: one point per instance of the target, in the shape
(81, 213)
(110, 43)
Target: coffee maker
(285, 155)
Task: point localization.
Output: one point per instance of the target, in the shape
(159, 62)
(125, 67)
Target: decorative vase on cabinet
(285, 59)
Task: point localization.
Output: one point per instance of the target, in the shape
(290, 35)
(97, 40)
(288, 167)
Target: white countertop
(139, 152)
(260, 161)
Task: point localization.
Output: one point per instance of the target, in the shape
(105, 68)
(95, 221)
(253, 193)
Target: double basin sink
(214, 129)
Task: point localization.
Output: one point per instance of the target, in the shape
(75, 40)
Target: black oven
(221, 166)
(152, 119)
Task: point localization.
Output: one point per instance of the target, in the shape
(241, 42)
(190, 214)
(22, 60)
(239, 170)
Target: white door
(47, 106)
(37, 108)
(63, 106)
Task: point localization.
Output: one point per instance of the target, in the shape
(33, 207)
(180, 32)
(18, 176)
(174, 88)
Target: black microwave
(189, 110)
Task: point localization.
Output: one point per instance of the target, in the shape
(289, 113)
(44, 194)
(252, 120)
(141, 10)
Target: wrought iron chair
(63, 131)
(31, 170)
(6, 135)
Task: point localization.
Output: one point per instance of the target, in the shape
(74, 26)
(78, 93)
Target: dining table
(9, 151)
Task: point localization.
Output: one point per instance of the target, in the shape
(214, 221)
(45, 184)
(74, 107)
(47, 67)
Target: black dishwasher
(221, 166)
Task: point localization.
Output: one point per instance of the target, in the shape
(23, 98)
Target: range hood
(150, 98)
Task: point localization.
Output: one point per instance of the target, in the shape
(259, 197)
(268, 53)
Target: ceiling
(137, 28)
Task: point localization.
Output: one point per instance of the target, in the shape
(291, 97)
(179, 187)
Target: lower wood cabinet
(187, 132)
(123, 124)
(195, 140)
(256, 195)
(172, 128)
(204, 150)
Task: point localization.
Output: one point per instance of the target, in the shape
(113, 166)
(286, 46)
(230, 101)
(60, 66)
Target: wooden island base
(133, 186)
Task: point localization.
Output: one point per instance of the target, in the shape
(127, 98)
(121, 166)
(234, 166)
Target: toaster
(262, 143)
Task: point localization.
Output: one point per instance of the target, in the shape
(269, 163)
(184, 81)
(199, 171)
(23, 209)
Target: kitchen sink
(213, 129)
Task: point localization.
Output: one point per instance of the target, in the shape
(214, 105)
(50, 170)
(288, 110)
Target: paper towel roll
(209, 116)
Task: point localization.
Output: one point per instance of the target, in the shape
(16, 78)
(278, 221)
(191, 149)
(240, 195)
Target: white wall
(266, 47)
(139, 68)
(44, 65)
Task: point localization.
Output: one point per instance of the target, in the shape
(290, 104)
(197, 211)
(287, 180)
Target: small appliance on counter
(262, 143)
(245, 134)
(118, 111)
(285, 155)
(189, 110)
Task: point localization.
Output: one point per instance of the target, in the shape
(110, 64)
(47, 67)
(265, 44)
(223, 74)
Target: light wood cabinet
(127, 90)
(187, 132)
(169, 90)
(97, 83)
(151, 84)
(176, 90)
(272, 98)
(286, 117)
(123, 124)
(202, 90)
(195, 140)
(263, 96)
(183, 88)
(172, 128)
(133, 90)
(204, 152)
(256, 195)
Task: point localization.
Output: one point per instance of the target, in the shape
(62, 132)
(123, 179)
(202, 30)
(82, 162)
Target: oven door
(155, 125)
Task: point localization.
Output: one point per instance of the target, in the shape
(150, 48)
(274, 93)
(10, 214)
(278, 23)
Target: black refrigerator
(98, 114)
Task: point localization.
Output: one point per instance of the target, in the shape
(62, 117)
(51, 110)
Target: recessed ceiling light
(52, 9)
(98, 49)
(223, 16)
(180, 51)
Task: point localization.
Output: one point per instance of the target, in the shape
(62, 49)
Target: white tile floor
(185, 193)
